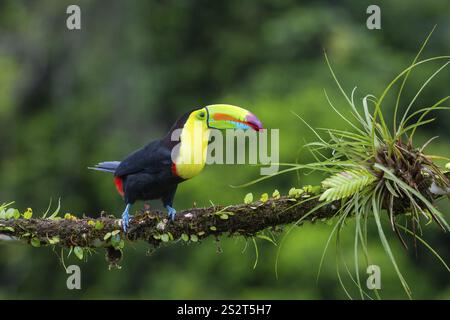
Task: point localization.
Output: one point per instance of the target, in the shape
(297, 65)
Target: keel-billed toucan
(154, 171)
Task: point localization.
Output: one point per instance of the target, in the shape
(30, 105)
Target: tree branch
(153, 226)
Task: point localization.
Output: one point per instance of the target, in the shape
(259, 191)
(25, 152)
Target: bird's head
(226, 116)
(189, 156)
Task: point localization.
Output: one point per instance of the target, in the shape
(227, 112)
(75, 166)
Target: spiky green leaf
(346, 184)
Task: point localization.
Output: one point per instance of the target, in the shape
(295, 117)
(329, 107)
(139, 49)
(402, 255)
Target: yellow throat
(191, 157)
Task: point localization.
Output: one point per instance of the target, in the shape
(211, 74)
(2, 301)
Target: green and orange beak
(226, 116)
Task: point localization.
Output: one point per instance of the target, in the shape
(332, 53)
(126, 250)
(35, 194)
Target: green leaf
(447, 166)
(107, 236)
(224, 216)
(99, 225)
(276, 194)
(256, 253)
(292, 192)
(200, 233)
(6, 205)
(53, 240)
(165, 237)
(35, 242)
(185, 237)
(48, 209)
(264, 237)
(264, 197)
(115, 232)
(70, 216)
(316, 190)
(7, 228)
(248, 198)
(79, 252)
(70, 251)
(12, 213)
(194, 238)
(346, 184)
(28, 213)
(213, 228)
(295, 193)
(311, 189)
(55, 213)
(115, 240)
(376, 212)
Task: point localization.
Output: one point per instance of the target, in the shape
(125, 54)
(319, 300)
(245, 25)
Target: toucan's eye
(201, 115)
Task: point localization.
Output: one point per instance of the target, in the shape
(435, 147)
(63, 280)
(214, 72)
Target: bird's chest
(187, 171)
(190, 155)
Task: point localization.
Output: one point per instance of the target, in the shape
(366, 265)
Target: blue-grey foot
(171, 212)
(126, 218)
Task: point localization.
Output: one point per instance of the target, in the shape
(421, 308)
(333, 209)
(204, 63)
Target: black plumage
(148, 173)
(152, 173)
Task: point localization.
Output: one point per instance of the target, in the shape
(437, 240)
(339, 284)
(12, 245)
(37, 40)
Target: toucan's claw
(125, 222)
(171, 212)
(126, 218)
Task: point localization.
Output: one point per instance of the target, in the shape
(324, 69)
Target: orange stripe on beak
(225, 117)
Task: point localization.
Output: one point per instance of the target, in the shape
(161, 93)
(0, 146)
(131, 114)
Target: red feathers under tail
(119, 185)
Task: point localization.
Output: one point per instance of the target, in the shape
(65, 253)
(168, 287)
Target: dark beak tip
(257, 127)
(254, 122)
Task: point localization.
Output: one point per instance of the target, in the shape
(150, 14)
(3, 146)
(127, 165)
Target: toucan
(155, 170)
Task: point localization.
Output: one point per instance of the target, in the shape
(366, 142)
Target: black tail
(107, 166)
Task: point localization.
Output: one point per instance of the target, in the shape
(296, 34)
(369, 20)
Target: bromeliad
(154, 171)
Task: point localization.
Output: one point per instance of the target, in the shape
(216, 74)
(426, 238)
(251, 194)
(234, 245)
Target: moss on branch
(154, 228)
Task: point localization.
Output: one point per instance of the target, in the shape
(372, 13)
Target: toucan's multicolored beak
(226, 116)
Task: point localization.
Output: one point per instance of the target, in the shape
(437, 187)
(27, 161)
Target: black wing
(152, 158)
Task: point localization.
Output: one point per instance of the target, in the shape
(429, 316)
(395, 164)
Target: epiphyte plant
(374, 169)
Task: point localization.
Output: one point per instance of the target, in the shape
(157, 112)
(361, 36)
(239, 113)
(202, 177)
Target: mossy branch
(151, 226)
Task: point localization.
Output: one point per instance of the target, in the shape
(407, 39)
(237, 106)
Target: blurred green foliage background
(69, 99)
